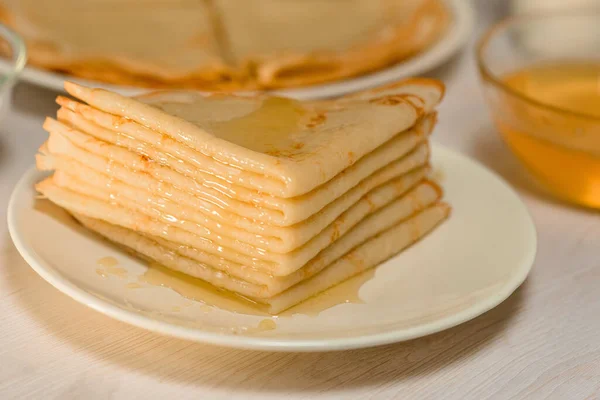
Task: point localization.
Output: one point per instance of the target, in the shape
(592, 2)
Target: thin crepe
(290, 147)
(258, 206)
(372, 252)
(136, 171)
(222, 44)
(127, 35)
(150, 145)
(343, 39)
(261, 284)
(400, 209)
(217, 245)
(80, 179)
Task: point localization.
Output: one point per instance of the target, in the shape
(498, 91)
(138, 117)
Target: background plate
(456, 36)
(467, 266)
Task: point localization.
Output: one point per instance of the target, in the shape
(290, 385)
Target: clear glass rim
(502, 26)
(19, 57)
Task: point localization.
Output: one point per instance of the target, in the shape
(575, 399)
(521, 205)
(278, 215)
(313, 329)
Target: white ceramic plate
(453, 40)
(467, 266)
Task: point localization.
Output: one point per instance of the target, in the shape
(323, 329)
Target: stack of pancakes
(269, 198)
(223, 44)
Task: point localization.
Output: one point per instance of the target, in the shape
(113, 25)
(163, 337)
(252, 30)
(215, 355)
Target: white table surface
(543, 342)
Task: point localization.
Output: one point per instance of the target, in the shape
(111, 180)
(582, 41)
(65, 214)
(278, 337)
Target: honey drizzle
(108, 266)
(198, 290)
(267, 128)
(210, 296)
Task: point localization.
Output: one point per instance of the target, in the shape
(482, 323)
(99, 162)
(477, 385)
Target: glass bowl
(536, 72)
(13, 57)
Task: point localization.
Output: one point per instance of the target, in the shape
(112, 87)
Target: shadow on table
(179, 361)
(446, 71)
(34, 100)
(3, 149)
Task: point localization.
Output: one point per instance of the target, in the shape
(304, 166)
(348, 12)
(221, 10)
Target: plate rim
(48, 273)
(460, 31)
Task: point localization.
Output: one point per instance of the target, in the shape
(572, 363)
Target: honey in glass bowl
(545, 101)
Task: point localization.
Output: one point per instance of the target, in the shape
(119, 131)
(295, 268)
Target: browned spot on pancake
(389, 100)
(322, 171)
(287, 153)
(335, 234)
(118, 121)
(278, 153)
(393, 100)
(412, 81)
(351, 156)
(370, 202)
(419, 127)
(298, 145)
(336, 230)
(399, 186)
(358, 262)
(274, 152)
(316, 120)
(415, 100)
(164, 139)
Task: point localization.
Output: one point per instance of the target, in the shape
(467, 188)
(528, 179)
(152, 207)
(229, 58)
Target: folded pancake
(183, 159)
(129, 35)
(260, 283)
(421, 197)
(344, 39)
(78, 178)
(371, 252)
(222, 44)
(117, 163)
(276, 146)
(173, 169)
(216, 245)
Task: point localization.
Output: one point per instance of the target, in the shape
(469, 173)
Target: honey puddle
(267, 325)
(108, 266)
(108, 262)
(345, 292)
(200, 291)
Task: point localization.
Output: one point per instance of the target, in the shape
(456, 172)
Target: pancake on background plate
(222, 44)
